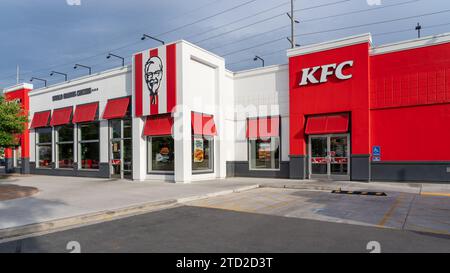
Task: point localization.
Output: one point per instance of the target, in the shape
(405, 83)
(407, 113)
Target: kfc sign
(155, 81)
(309, 74)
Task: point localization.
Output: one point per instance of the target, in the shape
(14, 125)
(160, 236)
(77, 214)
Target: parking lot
(396, 210)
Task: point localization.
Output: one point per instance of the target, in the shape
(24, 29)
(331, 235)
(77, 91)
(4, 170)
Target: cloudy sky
(46, 35)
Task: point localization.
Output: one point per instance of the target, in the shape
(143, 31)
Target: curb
(341, 187)
(10, 234)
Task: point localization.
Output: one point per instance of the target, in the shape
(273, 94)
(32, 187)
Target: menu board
(263, 151)
(199, 152)
(163, 155)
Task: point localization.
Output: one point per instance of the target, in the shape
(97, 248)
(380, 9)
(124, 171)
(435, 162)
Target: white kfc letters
(326, 71)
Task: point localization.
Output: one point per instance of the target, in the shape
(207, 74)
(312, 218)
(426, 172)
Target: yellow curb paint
(391, 210)
(435, 194)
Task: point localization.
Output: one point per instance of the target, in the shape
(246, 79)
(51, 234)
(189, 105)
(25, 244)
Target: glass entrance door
(329, 157)
(121, 149)
(116, 159)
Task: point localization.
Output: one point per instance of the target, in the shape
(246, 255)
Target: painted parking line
(391, 210)
(435, 194)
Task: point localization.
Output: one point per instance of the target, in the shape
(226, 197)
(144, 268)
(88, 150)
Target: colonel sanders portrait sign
(154, 80)
(153, 76)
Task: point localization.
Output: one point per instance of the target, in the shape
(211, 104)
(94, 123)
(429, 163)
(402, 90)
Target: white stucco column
(182, 139)
(104, 141)
(139, 150)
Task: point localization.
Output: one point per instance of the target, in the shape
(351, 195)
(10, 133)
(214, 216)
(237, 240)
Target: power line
(207, 17)
(134, 43)
(251, 37)
(360, 11)
(374, 23)
(237, 21)
(336, 29)
(314, 19)
(265, 20)
(373, 35)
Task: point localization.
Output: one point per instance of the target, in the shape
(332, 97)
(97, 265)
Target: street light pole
(259, 58)
(145, 36)
(42, 80)
(113, 55)
(63, 74)
(84, 66)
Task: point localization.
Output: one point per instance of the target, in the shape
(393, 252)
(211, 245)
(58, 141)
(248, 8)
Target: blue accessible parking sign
(376, 153)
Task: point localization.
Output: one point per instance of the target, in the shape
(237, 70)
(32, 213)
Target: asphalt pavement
(198, 229)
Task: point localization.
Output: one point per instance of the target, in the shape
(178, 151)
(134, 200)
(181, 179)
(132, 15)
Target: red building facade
(394, 104)
(18, 159)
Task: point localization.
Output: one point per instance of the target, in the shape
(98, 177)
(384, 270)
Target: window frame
(57, 143)
(39, 144)
(250, 157)
(212, 154)
(150, 157)
(80, 141)
(121, 140)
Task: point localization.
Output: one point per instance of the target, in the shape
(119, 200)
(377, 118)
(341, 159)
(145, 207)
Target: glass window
(89, 145)
(64, 146)
(90, 155)
(161, 154)
(18, 157)
(89, 131)
(202, 153)
(116, 128)
(44, 147)
(265, 153)
(44, 135)
(127, 128)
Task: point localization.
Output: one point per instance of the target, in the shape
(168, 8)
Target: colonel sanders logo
(153, 76)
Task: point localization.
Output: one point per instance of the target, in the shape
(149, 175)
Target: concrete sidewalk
(424, 188)
(65, 197)
(63, 200)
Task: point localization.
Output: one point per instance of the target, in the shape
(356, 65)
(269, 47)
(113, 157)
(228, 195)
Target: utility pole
(418, 28)
(18, 74)
(293, 22)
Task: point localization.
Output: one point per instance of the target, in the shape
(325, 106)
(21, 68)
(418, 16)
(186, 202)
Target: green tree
(12, 122)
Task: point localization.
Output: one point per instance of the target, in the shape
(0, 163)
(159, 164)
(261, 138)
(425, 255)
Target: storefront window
(89, 145)
(44, 147)
(18, 157)
(202, 154)
(64, 146)
(161, 154)
(265, 153)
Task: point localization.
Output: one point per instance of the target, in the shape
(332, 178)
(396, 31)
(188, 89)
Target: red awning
(203, 124)
(160, 125)
(85, 112)
(116, 108)
(263, 127)
(327, 124)
(61, 116)
(40, 119)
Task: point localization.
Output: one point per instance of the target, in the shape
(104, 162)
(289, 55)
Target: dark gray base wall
(411, 171)
(25, 168)
(241, 169)
(360, 167)
(9, 165)
(298, 167)
(103, 172)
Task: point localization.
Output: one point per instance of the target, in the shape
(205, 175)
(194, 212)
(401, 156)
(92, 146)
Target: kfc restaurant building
(340, 110)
